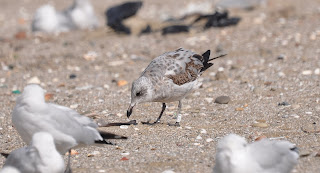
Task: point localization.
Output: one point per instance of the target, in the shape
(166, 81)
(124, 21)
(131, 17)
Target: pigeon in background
(235, 155)
(169, 77)
(40, 157)
(79, 16)
(68, 128)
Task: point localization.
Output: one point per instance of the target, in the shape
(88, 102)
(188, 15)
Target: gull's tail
(206, 59)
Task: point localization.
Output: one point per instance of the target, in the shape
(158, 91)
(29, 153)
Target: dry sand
(253, 77)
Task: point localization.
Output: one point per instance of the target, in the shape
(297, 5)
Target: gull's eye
(138, 94)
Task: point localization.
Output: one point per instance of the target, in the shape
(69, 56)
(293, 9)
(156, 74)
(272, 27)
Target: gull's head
(141, 91)
(33, 92)
(232, 143)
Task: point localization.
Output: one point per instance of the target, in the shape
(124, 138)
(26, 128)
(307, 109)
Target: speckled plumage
(169, 77)
(173, 72)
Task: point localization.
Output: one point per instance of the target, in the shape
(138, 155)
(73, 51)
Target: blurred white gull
(79, 16)
(235, 155)
(40, 157)
(68, 128)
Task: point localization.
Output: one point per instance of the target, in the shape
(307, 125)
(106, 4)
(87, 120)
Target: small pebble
(125, 154)
(309, 113)
(283, 104)
(281, 74)
(209, 140)
(122, 83)
(204, 131)
(124, 127)
(106, 86)
(199, 137)
(295, 116)
(72, 76)
(239, 109)
(74, 106)
(307, 72)
(34, 80)
(317, 71)
(281, 57)
(188, 127)
(116, 63)
(124, 159)
(209, 100)
(222, 100)
(90, 56)
(16, 92)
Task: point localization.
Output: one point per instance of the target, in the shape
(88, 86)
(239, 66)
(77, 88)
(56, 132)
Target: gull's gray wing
(181, 66)
(70, 122)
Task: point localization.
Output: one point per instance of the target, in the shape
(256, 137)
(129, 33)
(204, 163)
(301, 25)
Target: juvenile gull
(235, 155)
(78, 16)
(40, 156)
(169, 77)
(68, 128)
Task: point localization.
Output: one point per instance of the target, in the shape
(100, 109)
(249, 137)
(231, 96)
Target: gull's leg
(158, 119)
(178, 115)
(68, 168)
(163, 109)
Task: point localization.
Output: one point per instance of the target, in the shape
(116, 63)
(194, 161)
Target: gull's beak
(129, 111)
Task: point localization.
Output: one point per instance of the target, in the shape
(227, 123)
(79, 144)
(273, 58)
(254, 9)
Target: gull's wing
(181, 66)
(68, 121)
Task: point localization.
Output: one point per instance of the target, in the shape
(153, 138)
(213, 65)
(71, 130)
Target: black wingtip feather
(206, 56)
(206, 59)
(106, 135)
(5, 155)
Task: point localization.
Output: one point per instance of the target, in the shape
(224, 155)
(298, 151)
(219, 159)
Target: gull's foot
(133, 122)
(177, 124)
(68, 170)
(148, 122)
